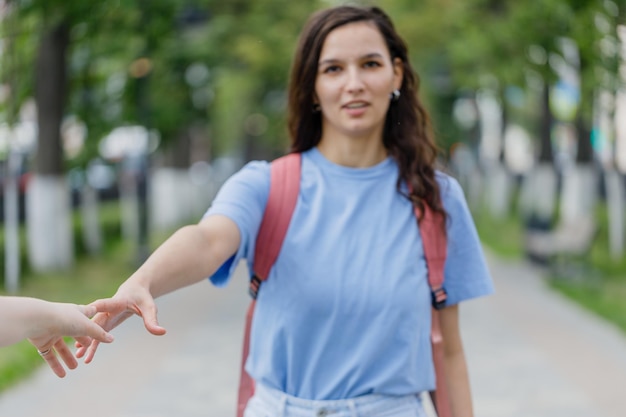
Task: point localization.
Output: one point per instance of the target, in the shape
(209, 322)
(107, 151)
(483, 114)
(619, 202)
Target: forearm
(457, 378)
(190, 255)
(21, 318)
(455, 368)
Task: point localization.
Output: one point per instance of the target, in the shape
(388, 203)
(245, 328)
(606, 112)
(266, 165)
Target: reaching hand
(130, 299)
(61, 319)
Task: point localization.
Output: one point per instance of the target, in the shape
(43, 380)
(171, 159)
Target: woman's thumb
(150, 321)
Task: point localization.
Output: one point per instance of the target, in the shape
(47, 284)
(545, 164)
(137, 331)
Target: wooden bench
(568, 240)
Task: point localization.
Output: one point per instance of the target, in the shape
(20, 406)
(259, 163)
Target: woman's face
(355, 78)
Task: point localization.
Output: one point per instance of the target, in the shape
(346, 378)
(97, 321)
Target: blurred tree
(68, 32)
(12, 155)
(221, 68)
(427, 28)
(252, 41)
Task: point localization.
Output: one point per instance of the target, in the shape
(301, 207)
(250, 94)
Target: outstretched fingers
(97, 333)
(119, 310)
(112, 312)
(104, 322)
(88, 351)
(63, 351)
(49, 355)
(91, 334)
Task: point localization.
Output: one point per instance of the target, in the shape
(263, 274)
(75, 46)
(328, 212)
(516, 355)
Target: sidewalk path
(530, 353)
(534, 353)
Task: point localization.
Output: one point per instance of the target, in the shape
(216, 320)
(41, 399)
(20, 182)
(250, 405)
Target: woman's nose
(354, 81)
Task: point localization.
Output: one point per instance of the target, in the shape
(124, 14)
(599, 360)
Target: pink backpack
(284, 190)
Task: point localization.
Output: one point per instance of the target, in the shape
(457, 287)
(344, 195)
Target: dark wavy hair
(407, 133)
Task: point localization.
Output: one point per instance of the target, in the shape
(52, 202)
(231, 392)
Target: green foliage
(461, 45)
(16, 65)
(455, 45)
(253, 45)
(231, 107)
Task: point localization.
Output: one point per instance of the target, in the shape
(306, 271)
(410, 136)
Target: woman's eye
(331, 68)
(371, 64)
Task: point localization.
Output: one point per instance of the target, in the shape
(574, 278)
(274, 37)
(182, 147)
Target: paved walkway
(530, 353)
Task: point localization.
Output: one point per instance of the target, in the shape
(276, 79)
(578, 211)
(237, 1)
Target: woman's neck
(352, 152)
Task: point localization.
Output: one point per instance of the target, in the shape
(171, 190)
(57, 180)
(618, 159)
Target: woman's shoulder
(253, 172)
(449, 188)
(249, 182)
(255, 168)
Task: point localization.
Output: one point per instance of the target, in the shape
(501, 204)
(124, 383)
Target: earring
(395, 95)
(316, 107)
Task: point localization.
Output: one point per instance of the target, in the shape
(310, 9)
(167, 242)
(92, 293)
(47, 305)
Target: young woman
(44, 324)
(342, 325)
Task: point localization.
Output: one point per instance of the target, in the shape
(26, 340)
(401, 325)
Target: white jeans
(268, 402)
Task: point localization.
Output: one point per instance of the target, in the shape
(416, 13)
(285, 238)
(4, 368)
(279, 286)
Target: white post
(11, 224)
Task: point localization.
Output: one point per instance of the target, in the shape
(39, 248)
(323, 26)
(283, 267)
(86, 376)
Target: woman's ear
(398, 73)
(316, 104)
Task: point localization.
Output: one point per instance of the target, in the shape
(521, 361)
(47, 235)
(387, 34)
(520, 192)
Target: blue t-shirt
(346, 308)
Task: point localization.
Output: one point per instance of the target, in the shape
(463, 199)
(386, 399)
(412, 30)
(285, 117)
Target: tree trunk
(50, 91)
(178, 153)
(50, 238)
(584, 118)
(545, 127)
(584, 154)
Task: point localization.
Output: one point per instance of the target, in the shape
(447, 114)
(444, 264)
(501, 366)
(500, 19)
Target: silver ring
(45, 352)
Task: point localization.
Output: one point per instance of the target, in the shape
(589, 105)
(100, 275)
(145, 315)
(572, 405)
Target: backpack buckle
(255, 284)
(439, 297)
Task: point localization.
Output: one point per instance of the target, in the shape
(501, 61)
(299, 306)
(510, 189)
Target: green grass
(504, 237)
(16, 362)
(608, 299)
(600, 255)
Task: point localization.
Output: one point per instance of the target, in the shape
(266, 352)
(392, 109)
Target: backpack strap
(435, 250)
(284, 190)
(283, 195)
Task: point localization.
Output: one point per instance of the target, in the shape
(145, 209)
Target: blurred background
(119, 120)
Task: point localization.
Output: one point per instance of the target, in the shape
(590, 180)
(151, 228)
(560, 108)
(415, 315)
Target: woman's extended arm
(455, 366)
(190, 255)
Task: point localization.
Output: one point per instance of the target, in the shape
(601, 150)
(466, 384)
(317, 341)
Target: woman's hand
(130, 299)
(55, 320)
(191, 254)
